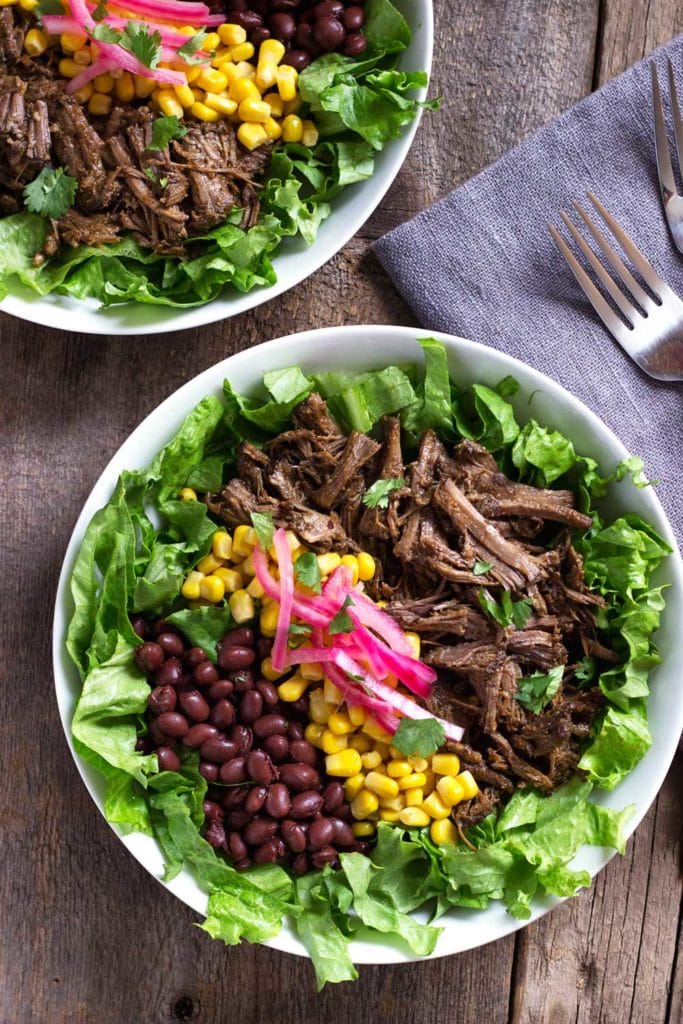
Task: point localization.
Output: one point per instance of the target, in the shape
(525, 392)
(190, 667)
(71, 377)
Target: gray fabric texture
(481, 263)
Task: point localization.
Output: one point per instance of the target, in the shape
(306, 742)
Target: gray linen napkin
(481, 263)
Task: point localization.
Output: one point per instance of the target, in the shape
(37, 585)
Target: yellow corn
(450, 790)
(328, 563)
(398, 769)
(445, 764)
(84, 93)
(243, 542)
(212, 589)
(269, 672)
(353, 786)
(360, 743)
(242, 51)
(272, 51)
(68, 68)
(414, 797)
(144, 87)
(270, 54)
(392, 803)
(363, 805)
(382, 749)
(339, 723)
(363, 829)
(202, 112)
(268, 620)
(255, 589)
(272, 128)
(311, 670)
(414, 643)
(443, 833)
(334, 696)
(292, 689)
(430, 784)
(28, 5)
(318, 710)
(382, 785)
(357, 715)
(292, 128)
(314, 733)
(275, 102)
(220, 102)
(344, 764)
(185, 95)
(188, 494)
(286, 82)
(169, 104)
(310, 133)
(414, 817)
(414, 781)
(208, 563)
(232, 35)
(294, 106)
(83, 56)
(332, 744)
(232, 580)
(8, 3)
(469, 786)
(371, 760)
(211, 41)
(35, 42)
(193, 73)
(105, 83)
(247, 566)
(212, 80)
(418, 764)
(99, 105)
(71, 42)
(373, 729)
(254, 111)
(435, 807)
(221, 545)
(242, 610)
(381, 769)
(187, 30)
(190, 588)
(351, 563)
(389, 815)
(366, 566)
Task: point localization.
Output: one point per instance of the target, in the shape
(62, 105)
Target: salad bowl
(294, 260)
(362, 348)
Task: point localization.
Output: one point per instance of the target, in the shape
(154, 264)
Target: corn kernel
(232, 35)
(389, 815)
(211, 80)
(414, 817)
(232, 580)
(443, 833)
(292, 128)
(310, 133)
(363, 829)
(418, 764)
(271, 51)
(187, 30)
(414, 643)
(169, 104)
(371, 760)
(211, 41)
(292, 689)
(144, 87)
(221, 103)
(381, 768)
(382, 785)
(212, 589)
(268, 619)
(363, 805)
(450, 790)
(319, 711)
(254, 111)
(243, 542)
(435, 807)
(414, 797)
(247, 566)
(193, 73)
(105, 83)
(333, 696)
(71, 42)
(375, 730)
(469, 786)
(445, 764)
(311, 670)
(28, 5)
(286, 82)
(190, 588)
(314, 733)
(188, 494)
(353, 786)
(357, 714)
(275, 102)
(185, 95)
(68, 68)
(272, 128)
(360, 743)
(339, 723)
(430, 784)
(35, 42)
(350, 562)
(392, 803)
(398, 769)
(242, 610)
(269, 672)
(83, 56)
(294, 106)
(242, 51)
(414, 781)
(8, 3)
(332, 744)
(208, 563)
(366, 566)
(99, 105)
(328, 563)
(202, 112)
(344, 764)
(84, 93)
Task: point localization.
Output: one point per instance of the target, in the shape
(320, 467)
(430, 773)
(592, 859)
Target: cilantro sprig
(422, 736)
(52, 193)
(377, 496)
(508, 612)
(263, 525)
(164, 130)
(536, 691)
(342, 621)
(307, 571)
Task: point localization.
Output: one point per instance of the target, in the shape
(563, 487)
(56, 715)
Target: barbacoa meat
(457, 527)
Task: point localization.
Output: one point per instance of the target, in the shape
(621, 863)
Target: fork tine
(667, 181)
(678, 121)
(650, 275)
(625, 274)
(626, 307)
(597, 301)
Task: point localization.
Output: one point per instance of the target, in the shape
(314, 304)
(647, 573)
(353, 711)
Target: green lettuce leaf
(622, 739)
(316, 926)
(358, 402)
(204, 627)
(542, 455)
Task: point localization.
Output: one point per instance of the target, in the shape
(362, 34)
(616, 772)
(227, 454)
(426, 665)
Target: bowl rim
(85, 317)
(273, 354)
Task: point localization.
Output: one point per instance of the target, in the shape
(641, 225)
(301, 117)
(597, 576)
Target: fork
(671, 198)
(650, 329)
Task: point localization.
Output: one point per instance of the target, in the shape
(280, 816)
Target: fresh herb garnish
(164, 130)
(307, 571)
(534, 692)
(342, 622)
(151, 174)
(508, 612)
(299, 629)
(422, 736)
(142, 43)
(49, 7)
(51, 194)
(481, 568)
(377, 496)
(586, 670)
(263, 524)
(100, 11)
(107, 34)
(187, 50)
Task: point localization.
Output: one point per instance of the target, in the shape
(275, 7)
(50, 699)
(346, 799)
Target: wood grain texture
(87, 936)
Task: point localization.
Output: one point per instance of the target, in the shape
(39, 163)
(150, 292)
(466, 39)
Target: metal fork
(651, 331)
(672, 200)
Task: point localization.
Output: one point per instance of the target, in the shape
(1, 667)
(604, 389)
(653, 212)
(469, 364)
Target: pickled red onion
(307, 612)
(284, 615)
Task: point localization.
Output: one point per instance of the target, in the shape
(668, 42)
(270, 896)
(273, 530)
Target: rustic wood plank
(632, 28)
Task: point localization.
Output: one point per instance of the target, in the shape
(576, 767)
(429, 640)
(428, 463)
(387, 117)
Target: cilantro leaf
(49, 7)
(142, 43)
(263, 524)
(107, 34)
(422, 736)
(377, 496)
(187, 50)
(100, 11)
(151, 174)
(508, 612)
(164, 130)
(51, 193)
(586, 670)
(299, 629)
(521, 612)
(534, 692)
(307, 571)
(342, 622)
(481, 568)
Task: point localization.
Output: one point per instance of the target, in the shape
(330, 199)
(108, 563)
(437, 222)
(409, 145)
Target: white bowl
(294, 262)
(362, 348)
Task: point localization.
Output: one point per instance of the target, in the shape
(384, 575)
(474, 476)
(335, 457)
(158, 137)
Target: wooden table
(87, 937)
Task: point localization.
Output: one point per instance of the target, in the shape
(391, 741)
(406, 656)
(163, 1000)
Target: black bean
(193, 705)
(259, 35)
(256, 798)
(235, 796)
(243, 737)
(139, 626)
(278, 801)
(222, 714)
(157, 734)
(270, 725)
(162, 698)
(199, 734)
(325, 855)
(295, 731)
(353, 18)
(276, 747)
(237, 846)
(168, 760)
(298, 707)
(343, 833)
(195, 657)
(242, 680)
(260, 768)
(300, 864)
(160, 626)
(294, 835)
(299, 777)
(206, 674)
(173, 724)
(144, 745)
(231, 659)
(360, 847)
(149, 657)
(302, 750)
(243, 865)
(171, 644)
(215, 835)
(268, 692)
(344, 812)
(237, 820)
(250, 707)
(328, 8)
(306, 805)
(243, 636)
(212, 810)
(170, 673)
(249, 20)
(333, 795)
(320, 833)
(282, 26)
(303, 35)
(208, 770)
(266, 853)
(218, 749)
(329, 33)
(355, 44)
(220, 690)
(259, 830)
(233, 771)
(264, 645)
